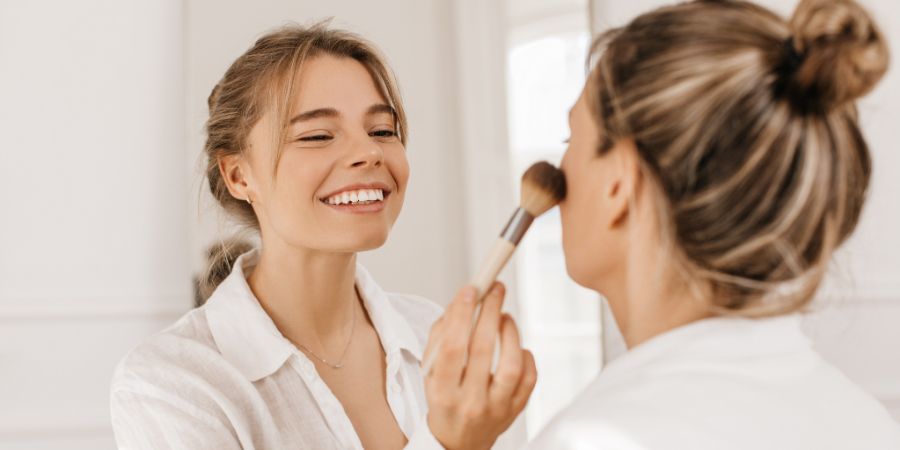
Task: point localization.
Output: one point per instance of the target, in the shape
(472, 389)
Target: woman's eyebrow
(381, 108)
(315, 114)
(378, 108)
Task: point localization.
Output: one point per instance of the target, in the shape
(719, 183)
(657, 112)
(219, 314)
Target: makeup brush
(543, 187)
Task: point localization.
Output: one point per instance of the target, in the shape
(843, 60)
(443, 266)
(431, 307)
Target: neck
(646, 311)
(648, 297)
(309, 294)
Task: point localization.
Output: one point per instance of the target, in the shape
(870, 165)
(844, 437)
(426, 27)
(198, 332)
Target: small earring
(249, 201)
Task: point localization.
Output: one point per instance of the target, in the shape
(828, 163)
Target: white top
(723, 384)
(223, 377)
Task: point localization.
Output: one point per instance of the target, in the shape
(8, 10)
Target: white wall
(92, 242)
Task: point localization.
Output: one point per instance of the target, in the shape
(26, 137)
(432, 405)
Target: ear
(625, 177)
(236, 173)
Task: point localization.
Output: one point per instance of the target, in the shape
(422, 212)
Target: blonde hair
(263, 80)
(747, 126)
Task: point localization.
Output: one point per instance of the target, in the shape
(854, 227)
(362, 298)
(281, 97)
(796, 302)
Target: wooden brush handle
(490, 268)
(492, 265)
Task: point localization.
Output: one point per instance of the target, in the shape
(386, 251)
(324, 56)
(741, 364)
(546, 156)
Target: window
(560, 320)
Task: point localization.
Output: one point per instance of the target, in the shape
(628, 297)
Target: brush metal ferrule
(517, 226)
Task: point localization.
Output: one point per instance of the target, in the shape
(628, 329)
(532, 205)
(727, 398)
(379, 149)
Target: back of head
(747, 125)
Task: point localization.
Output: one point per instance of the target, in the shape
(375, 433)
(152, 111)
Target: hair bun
(844, 53)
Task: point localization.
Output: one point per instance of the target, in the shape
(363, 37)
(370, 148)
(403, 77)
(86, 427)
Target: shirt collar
(718, 338)
(244, 333)
(393, 328)
(249, 340)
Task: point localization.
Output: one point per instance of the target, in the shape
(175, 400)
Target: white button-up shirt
(723, 383)
(223, 377)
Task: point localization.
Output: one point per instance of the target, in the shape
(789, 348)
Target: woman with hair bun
(715, 164)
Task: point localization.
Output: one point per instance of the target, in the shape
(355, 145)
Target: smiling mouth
(357, 197)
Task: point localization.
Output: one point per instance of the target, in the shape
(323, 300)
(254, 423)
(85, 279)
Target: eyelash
(316, 138)
(388, 133)
(325, 137)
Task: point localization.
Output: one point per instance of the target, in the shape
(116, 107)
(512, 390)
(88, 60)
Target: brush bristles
(543, 186)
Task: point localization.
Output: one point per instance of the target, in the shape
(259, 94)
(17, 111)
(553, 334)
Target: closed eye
(383, 133)
(318, 137)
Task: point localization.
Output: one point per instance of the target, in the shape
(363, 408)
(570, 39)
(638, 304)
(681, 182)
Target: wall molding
(57, 432)
(156, 307)
(853, 300)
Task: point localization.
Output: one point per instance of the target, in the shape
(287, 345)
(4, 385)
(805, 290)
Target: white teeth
(358, 196)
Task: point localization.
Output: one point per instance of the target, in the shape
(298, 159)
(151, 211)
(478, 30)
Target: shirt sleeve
(574, 434)
(422, 439)
(155, 419)
(512, 439)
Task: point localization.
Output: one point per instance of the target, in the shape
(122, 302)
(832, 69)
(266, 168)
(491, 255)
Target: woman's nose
(367, 153)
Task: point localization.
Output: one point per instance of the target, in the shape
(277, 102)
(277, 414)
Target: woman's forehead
(339, 83)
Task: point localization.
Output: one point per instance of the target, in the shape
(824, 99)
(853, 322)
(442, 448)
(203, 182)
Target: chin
(577, 277)
(367, 242)
(575, 269)
(586, 269)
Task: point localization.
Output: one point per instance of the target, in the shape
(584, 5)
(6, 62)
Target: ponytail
(220, 259)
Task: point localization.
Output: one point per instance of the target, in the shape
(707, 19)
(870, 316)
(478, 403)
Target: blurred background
(106, 215)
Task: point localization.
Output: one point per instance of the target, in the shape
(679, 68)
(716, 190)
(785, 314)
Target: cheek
(398, 166)
(582, 226)
(573, 221)
(298, 179)
(292, 210)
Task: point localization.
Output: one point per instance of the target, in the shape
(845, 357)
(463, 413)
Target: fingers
(455, 331)
(510, 367)
(431, 347)
(526, 385)
(468, 407)
(481, 348)
(434, 338)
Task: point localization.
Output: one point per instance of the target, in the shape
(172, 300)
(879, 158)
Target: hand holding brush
(543, 187)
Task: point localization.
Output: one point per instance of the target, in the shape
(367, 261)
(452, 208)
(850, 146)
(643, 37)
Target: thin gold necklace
(340, 362)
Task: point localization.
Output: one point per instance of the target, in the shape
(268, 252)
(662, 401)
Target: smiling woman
(297, 346)
(342, 138)
(298, 119)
